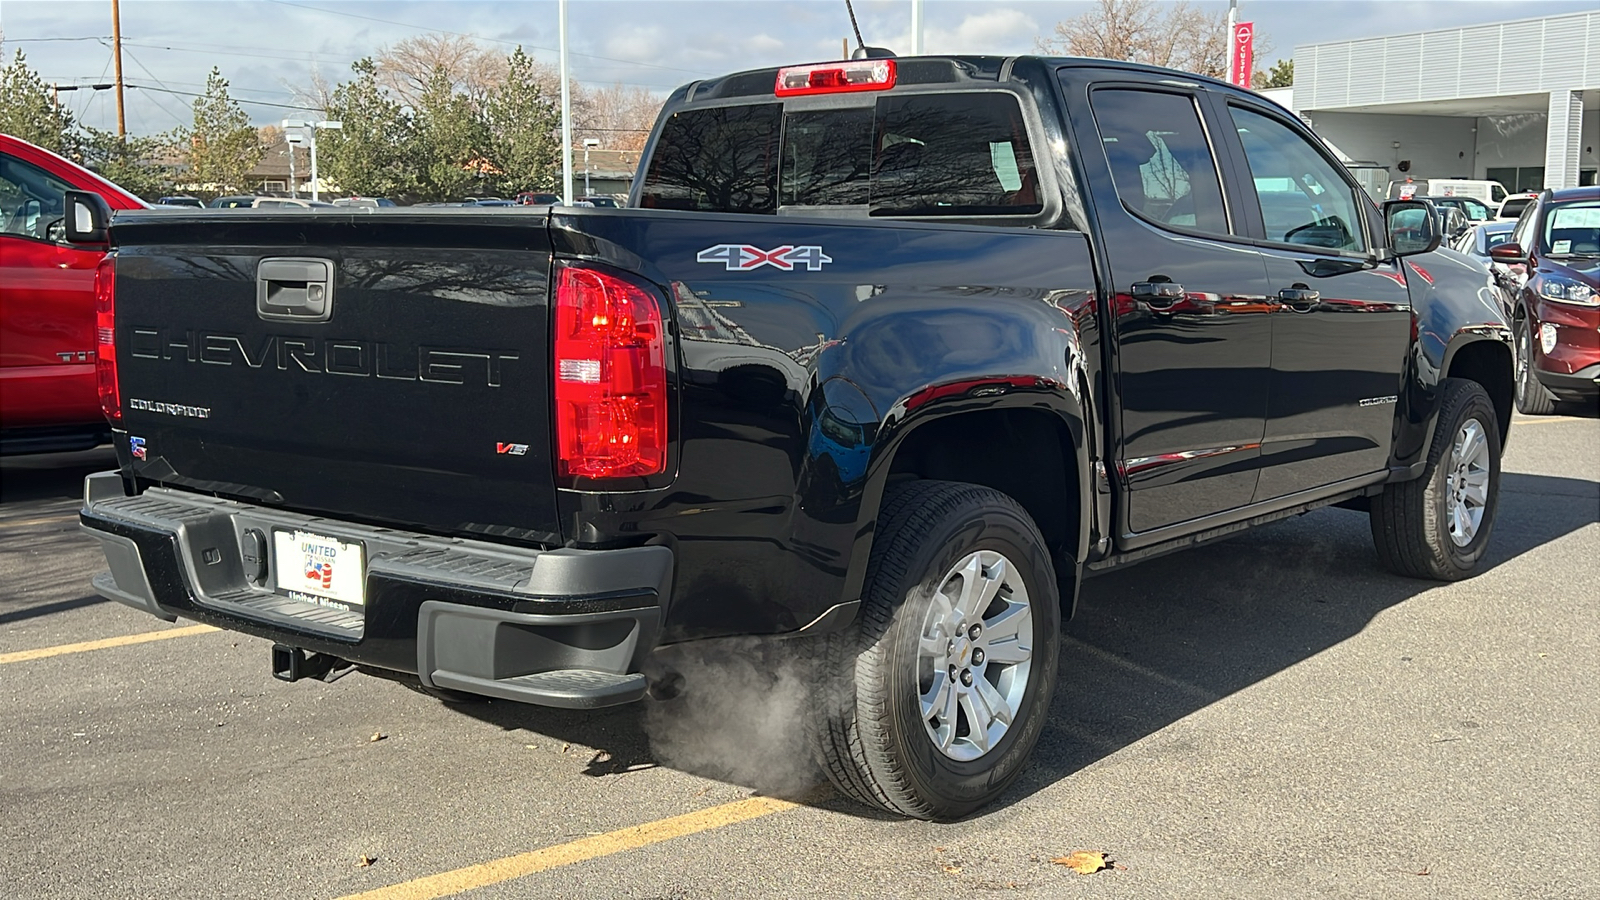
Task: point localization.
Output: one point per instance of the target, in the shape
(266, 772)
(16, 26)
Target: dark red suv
(1552, 266)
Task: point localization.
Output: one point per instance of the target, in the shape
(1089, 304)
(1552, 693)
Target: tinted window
(1303, 198)
(827, 158)
(953, 155)
(716, 159)
(1159, 157)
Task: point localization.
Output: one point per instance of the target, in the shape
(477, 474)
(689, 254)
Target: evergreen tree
(132, 163)
(372, 154)
(449, 138)
(523, 127)
(28, 111)
(222, 145)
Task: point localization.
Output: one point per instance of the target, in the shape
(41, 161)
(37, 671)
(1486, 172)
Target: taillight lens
(610, 377)
(836, 78)
(105, 339)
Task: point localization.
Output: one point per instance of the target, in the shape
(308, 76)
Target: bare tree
(1179, 36)
(406, 69)
(619, 116)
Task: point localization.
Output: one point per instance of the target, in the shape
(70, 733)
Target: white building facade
(1516, 102)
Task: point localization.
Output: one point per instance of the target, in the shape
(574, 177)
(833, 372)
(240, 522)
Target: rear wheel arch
(1034, 455)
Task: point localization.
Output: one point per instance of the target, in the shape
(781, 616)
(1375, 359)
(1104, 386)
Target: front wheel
(1437, 526)
(931, 703)
(1532, 397)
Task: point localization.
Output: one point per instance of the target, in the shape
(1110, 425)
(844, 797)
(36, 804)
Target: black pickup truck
(886, 355)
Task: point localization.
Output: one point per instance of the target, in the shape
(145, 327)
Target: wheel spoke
(992, 581)
(1473, 444)
(971, 587)
(979, 718)
(935, 699)
(934, 645)
(947, 718)
(999, 709)
(1475, 490)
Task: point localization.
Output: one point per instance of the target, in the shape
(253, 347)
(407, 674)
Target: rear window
(952, 154)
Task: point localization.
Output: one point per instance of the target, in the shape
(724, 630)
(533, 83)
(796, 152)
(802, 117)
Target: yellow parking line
(1549, 421)
(85, 646)
(495, 871)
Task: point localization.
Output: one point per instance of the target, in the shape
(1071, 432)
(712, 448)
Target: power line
(140, 63)
(240, 100)
(42, 40)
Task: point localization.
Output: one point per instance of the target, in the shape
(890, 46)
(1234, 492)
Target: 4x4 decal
(744, 257)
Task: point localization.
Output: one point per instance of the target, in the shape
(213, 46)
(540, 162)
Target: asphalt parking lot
(1269, 717)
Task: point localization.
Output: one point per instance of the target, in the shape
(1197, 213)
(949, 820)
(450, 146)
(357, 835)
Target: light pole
(294, 136)
(588, 144)
(334, 126)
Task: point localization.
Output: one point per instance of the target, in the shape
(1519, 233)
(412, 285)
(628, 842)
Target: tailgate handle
(295, 289)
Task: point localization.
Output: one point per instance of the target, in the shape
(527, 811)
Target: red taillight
(105, 339)
(836, 78)
(610, 377)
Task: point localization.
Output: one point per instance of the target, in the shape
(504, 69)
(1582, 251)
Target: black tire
(867, 727)
(1532, 397)
(1410, 519)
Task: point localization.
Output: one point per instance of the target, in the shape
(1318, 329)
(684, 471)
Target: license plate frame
(320, 569)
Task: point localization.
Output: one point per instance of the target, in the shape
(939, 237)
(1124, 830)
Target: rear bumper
(557, 628)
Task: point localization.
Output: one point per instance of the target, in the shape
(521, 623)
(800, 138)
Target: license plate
(319, 570)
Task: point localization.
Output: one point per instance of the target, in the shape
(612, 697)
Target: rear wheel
(931, 703)
(1437, 526)
(1532, 398)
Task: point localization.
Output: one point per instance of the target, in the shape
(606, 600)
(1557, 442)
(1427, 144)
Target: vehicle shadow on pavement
(27, 480)
(1157, 642)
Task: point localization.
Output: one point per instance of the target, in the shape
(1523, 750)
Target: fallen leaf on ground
(1084, 862)
(365, 861)
(1423, 872)
(376, 737)
(951, 870)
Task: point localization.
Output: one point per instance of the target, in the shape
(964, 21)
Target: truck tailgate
(390, 367)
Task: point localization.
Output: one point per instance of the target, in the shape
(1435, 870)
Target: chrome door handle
(1300, 298)
(1158, 294)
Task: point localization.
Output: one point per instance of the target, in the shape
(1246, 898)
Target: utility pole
(916, 27)
(566, 113)
(116, 52)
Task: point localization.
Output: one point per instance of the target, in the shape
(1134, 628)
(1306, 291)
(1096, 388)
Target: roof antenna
(862, 50)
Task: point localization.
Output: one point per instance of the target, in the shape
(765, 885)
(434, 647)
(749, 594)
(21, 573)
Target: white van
(1491, 192)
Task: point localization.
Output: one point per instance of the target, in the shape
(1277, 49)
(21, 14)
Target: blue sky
(267, 47)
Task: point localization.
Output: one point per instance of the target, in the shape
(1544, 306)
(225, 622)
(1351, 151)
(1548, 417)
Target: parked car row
(1548, 264)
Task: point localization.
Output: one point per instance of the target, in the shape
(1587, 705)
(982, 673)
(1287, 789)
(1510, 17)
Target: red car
(1553, 268)
(48, 396)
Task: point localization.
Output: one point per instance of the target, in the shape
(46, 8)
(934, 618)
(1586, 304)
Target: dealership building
(1516, 102)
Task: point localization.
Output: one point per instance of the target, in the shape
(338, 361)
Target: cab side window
(31, 199)
(1160, 159)
(1303, 198)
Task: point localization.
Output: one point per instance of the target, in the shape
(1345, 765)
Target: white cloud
(1001, 30)
(763, 43)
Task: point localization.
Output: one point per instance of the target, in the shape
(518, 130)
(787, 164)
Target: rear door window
(953, 155)
(935, 154)
(1160, 158)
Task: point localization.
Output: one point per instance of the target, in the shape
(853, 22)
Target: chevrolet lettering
(1024, 360)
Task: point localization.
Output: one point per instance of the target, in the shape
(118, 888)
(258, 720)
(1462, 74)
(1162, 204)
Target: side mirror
(88, 218)
(1413, 226)
(1508, 252)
